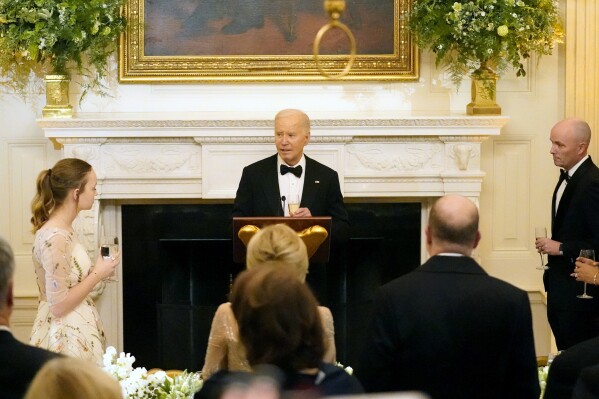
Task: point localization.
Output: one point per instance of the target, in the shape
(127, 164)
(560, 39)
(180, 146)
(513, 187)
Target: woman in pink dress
(67, 320)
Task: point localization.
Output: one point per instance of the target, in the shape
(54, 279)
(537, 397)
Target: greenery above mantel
(495, 33)
(42, 37)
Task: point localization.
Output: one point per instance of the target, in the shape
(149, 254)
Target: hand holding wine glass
(541, 232)
(109, 250)
(589, 254)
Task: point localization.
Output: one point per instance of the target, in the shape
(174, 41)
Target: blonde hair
(70, 378)
(53, 185)
(278, 242)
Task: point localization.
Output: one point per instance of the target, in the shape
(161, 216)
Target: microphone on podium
(283, 198)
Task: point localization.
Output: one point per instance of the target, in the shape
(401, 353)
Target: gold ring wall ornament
(312, 236)
(334, 8)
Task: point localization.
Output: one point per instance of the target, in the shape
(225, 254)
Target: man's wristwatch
(561, 248)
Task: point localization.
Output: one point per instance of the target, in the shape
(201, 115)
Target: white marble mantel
(201, 155)
(195, 156)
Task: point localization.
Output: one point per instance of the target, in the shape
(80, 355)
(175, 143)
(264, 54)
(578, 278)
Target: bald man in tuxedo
(574, 226)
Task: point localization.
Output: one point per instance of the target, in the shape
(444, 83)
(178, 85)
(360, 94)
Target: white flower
(137, 384)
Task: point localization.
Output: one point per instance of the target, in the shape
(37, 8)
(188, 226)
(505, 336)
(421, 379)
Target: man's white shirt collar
(573, 169)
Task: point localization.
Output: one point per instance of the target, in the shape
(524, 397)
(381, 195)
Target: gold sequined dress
(225, 351)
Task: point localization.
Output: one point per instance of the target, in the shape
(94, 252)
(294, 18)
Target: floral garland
(136, 383)
(498, 33)
(41, 37)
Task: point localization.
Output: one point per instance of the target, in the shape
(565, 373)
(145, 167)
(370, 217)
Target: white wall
(516, 192)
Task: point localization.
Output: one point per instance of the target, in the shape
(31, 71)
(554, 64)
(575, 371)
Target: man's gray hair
(7, 269)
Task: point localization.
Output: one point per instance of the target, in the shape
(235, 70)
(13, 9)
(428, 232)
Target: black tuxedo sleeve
(243, 205)
(589, 223)
(521, 372)
(336, 209)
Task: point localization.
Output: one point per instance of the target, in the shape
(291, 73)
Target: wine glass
(590, 254)
(110, 249)
(293, 203)
(541, 232)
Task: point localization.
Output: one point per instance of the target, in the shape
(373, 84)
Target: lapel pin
(316, 181)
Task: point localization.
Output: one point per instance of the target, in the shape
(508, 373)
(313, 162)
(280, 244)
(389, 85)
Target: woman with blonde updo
(277, 245)
(68, 378)
(67, 320)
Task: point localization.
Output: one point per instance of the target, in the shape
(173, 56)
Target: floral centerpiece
(472, 36)
(543, 371)
(58, 37)
(137, 383)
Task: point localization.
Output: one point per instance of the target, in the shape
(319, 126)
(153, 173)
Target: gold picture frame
(207, 41)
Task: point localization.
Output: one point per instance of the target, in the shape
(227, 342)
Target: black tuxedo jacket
(576, 225)
(258, 193)
(587, 385)
(452, 331)
(18, 365)
(567, 367)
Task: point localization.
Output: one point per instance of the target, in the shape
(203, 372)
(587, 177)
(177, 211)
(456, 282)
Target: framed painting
(262, 40)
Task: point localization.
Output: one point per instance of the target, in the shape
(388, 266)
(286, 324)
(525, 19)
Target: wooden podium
(321, 255)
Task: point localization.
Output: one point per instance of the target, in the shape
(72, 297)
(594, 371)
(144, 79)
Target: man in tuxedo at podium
(574, 226)
(267, 186)
(18, 362)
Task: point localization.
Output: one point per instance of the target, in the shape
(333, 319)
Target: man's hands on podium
(301, 213)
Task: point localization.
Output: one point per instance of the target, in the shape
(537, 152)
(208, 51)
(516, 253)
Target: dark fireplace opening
(178, 267)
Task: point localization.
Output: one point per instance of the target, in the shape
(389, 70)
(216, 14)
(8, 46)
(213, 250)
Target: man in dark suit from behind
(18, 362)
(448, 328)
(574, 226)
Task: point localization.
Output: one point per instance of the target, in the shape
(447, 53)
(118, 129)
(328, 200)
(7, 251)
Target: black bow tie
(563, 175)
(297, 171)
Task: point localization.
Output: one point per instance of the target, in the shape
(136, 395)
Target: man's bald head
(577, 128)
(453, 223)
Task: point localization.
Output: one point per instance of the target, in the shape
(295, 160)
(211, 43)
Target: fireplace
(196, 159)
(180, 267)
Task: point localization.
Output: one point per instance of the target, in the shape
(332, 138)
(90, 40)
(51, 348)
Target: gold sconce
(334, 8)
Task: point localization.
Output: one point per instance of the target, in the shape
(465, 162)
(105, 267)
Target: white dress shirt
(289, 184)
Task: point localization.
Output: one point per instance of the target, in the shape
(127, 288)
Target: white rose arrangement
(137, 383)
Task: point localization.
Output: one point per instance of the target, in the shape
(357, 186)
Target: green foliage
(41, 37)
(499, 33)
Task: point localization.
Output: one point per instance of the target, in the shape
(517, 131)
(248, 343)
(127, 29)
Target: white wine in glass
(110, 249)
(293, 203)
(590, 254)
(541, 232)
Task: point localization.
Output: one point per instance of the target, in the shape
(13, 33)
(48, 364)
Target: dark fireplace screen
(178, 267)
